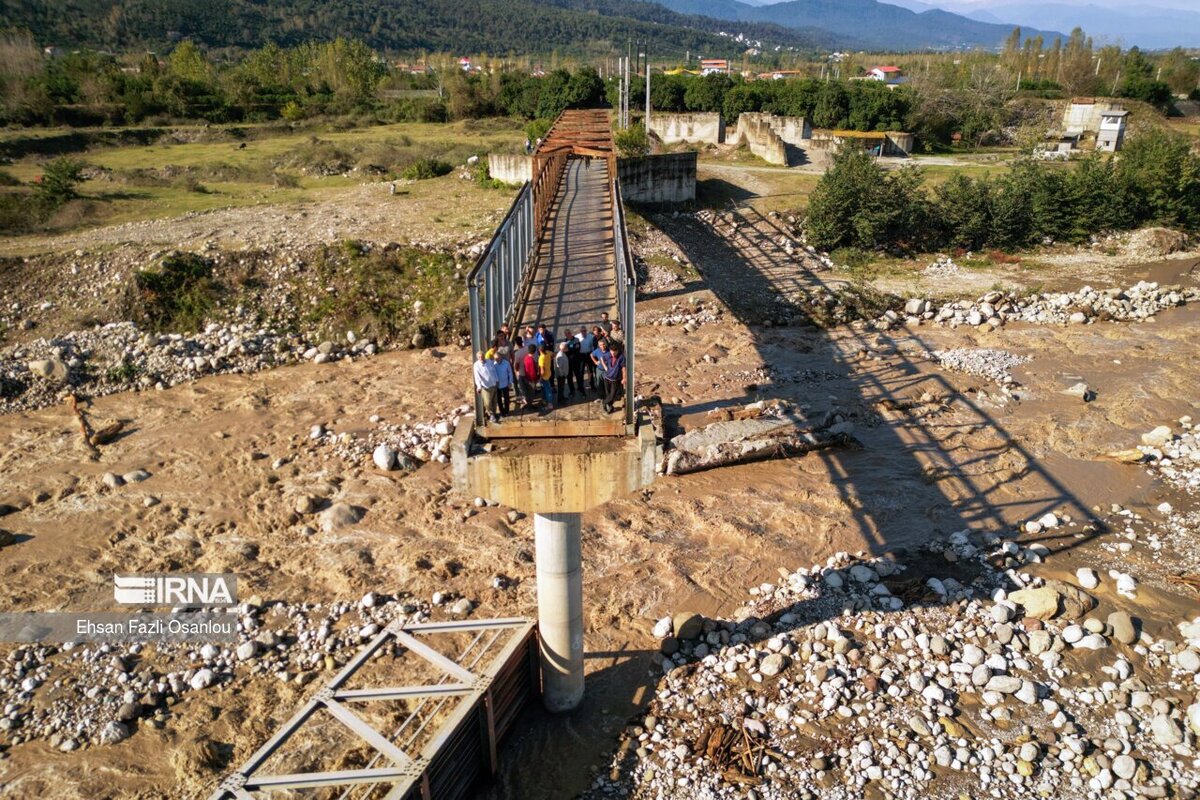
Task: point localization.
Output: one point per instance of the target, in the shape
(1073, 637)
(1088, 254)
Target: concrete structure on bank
(1092, 121)
(690, 128)
(756, 132)
(659, 179)
(511, 168)
(773, 138)
(884, 144)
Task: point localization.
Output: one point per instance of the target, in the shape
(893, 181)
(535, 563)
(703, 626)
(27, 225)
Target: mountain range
(881, 26)
(1159, 24)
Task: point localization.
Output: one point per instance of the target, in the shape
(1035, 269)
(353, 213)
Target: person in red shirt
(531, 376)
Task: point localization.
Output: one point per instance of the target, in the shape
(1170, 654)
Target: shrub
(58, 182)
(426, 168)
(178, 296)
(632, 141)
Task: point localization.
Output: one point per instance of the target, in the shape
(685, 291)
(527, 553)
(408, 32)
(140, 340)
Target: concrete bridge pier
(560, 607)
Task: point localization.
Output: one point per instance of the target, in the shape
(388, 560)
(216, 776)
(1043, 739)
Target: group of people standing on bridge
(544, 372)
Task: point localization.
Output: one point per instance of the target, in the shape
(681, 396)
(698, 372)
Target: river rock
(1082, 391)
(687, 625)
(1123, 628)
(203, 679)
(384, 457)
(773, 664)
(1157, 437)
(114, 732)
(1165, 731)
(1005, 684)
(340, 515)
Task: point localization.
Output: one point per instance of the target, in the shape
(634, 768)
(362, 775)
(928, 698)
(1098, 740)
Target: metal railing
(626, 288)
(547, 174)
(497, 278)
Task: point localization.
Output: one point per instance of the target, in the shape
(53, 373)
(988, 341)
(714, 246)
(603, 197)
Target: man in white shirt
(504, 379)
(486, 382)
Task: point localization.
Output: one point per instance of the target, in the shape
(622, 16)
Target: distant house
(886, 74)
(710, 66)
(1111, 135)
(465, 64)
(780, 74)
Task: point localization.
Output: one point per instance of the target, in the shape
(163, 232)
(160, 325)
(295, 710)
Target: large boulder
(52, 369)
(1054, 599)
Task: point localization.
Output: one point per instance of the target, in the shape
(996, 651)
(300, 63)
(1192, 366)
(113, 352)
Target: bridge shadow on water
(934, 460)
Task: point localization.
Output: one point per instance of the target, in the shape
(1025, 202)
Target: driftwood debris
(742, 437)
(93, 439)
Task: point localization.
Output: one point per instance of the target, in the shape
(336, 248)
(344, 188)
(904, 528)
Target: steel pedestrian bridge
(561, 257)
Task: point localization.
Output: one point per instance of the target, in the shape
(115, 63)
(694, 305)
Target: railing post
(476, 346)
(629, 324)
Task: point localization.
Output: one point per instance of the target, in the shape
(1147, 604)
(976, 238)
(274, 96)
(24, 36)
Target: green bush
(1155, 180)
(179, 296)
(632, 141)
(58, 182)
(426, 168)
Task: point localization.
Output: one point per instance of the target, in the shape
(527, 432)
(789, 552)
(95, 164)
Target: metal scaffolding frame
(490, 681)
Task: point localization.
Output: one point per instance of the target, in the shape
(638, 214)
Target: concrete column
(560, 608)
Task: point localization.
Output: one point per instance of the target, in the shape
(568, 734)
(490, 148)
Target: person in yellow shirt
(546, 368)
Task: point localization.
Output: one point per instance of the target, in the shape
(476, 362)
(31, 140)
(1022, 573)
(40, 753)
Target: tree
(962, 210)
(707, 93)
(856, 204)
(584, 89)
(1162, 174)
(1138, 82)
(20, 62)
(189, 64)
(832, 109)
(58, 183)
(666, 93)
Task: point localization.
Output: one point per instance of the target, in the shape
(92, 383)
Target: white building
(1111, 135)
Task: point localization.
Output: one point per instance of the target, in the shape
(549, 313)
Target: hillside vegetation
(497, 26)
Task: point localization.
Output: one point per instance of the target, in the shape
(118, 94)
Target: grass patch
(249, 164)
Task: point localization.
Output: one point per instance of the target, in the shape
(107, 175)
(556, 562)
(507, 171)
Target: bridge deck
(575, 281)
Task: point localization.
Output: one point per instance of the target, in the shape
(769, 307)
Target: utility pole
(647, 120)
